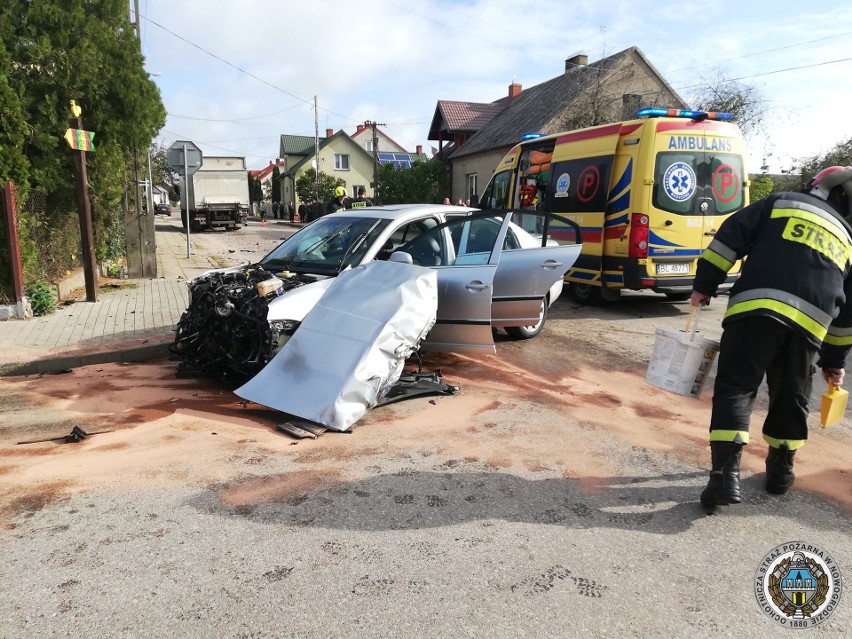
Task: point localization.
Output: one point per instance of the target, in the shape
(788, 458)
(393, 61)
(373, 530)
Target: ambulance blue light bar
(684, 113)
(532, 136)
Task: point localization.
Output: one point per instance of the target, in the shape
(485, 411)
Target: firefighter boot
(779, 469)
(724, 485)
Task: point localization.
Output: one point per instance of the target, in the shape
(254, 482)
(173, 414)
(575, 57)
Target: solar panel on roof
(398, 160)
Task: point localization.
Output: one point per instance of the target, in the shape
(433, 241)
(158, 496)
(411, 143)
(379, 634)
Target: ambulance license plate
(672, 269)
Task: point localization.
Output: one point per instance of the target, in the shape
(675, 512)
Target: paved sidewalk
(134, 321)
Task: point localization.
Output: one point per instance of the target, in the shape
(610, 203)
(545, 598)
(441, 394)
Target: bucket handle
(694, 314)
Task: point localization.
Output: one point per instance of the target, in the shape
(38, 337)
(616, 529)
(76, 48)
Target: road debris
(77, 434)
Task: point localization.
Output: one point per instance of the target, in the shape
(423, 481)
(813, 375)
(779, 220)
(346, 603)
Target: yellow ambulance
(649, 195)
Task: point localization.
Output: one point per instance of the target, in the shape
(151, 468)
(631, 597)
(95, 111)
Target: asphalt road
(555, 495)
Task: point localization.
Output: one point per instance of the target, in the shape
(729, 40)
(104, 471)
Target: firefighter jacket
(798, 256)
(336, 204)
(360, 203)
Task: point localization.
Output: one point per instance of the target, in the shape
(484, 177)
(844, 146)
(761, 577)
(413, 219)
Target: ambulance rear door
(698, 181)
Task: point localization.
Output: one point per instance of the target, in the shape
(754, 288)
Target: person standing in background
(361, 201)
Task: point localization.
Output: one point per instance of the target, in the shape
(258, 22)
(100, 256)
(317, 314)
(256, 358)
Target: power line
(230, 64)
(749, 55)
(241, 70)
(760, 75)
(252, 117)
(178, 136)
(451, 27)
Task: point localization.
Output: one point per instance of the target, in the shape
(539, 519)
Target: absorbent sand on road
(555, 495)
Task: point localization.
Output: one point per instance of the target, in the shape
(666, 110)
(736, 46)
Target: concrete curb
(64, 363)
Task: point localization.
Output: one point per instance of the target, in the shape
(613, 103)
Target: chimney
(329, 133)
(359, 128)
(576, 60)
(514, 91)
(419, 149)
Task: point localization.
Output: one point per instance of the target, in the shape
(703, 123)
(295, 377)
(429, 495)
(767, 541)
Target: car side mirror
(402, 257)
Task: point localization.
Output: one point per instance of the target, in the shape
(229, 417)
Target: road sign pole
(186, 197)
(181, 163)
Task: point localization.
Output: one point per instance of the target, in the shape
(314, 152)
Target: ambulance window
(681, 180)
(726, 182)
(496, 193)
(581, 185)
(676, 182)
(533, 177)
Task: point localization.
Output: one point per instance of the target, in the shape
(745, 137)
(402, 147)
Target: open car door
(464, 252)
(526, 273)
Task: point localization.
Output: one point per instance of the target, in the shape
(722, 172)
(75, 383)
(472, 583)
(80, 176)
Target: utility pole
(139, 226)
(373, 125)
(316, 144)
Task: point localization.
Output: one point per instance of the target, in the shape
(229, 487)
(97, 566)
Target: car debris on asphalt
(77, 434)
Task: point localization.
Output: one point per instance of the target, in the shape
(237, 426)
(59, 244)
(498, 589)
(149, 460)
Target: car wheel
(585, 293)
(678, 297)
(528, 332)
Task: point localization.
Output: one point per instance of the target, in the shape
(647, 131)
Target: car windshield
(325, 247)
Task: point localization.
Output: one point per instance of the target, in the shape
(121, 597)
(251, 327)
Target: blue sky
(234, 76)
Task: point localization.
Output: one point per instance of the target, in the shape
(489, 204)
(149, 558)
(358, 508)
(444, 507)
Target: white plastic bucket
(680, 361)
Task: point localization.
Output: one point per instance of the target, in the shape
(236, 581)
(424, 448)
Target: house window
(341, 161)
(368, 146)
(471, 186)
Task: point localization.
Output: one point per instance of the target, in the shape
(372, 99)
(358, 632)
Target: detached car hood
(351, 347)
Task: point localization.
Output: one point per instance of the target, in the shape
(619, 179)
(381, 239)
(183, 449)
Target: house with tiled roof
(364, 134)
(264, 174)
(478, 135)
(339, 156)
(454, 122)
(347, 157)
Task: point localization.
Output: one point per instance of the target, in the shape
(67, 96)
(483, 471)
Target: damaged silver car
(495, 269)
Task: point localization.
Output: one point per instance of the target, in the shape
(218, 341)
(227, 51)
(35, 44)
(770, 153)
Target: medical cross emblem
(679, 181)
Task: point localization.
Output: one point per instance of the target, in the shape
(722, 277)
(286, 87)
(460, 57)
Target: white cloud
(391, 61)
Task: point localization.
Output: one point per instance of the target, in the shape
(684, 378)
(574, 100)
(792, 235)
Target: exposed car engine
(224, 333)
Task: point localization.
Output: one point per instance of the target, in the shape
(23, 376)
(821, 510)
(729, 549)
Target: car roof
(395, 211)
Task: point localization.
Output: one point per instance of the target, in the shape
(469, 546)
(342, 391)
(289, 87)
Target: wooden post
(13, 244)
(85, 210)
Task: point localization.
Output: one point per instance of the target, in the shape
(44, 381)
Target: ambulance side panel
(582, 169)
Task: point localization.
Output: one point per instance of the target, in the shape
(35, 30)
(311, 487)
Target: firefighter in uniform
(792, 301)
(339, 202)
(361, 201)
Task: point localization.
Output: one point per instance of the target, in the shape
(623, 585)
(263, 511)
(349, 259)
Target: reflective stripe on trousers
(751, 347)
